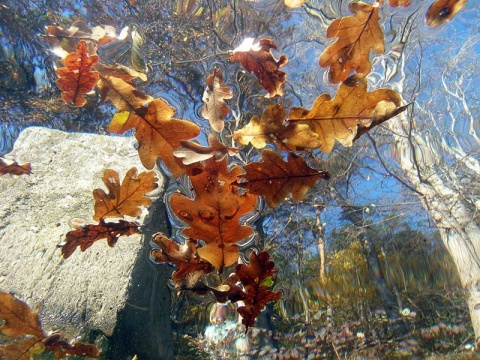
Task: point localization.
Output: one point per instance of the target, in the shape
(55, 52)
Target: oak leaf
(442, 11)
(85, 236)
(275, 178)
(126, 198)
(215, 109)
(122, 94)
(256, 279)
(351, 108)
(258, 58)
(357, 35)
(157, 132)
(61, 348)
(183, 256)
(77, 78)
(191, 152)
(14, 168)
(214, 214)
(272, 128)
(395, 3)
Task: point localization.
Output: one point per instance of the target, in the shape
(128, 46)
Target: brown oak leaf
(215, 109)
(275, 178)
(442, 11)
(352, 108)
(395, 3)
(61, 348)
(256, 278)
(157, 132)
(18, 318)
(272, 128)
(14, 168)
(192, 152)
(183, 256)
(77, 78)
(357, 35)
(214, 214)
(124, 199)
(86, 235)
(258, 58)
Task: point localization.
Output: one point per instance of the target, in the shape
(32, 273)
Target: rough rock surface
(107, 289)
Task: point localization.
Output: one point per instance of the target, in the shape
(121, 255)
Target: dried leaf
(258, 58)
(24, 349)
(294, 3)
(253, 278)
(442, 11)
(157, 132)
(215, 109)
(272, 128)
(357, 35)
(183, 256)
(214, 215)
(18, 318)
(14, 168)
(125, 199)
(395, 3)
(352, 108)
(86, 235)
(77, 78)
(275, 178)
(192, 152)
(61, 348)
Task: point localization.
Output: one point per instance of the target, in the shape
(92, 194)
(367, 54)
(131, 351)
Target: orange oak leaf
(18, 319)
(215, 109)
(357, 35)
(352, 108)
(192, 152)
(157, 132)
(256, 278)
(275, 178)
(14, 168)
(273, 128)
(442, 11)
(124, 199)
(183, 256)
(395, 3)
(214, 214)
(85, 236)
(258, 58)
(77, 78)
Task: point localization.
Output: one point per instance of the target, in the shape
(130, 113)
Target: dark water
(343, 317)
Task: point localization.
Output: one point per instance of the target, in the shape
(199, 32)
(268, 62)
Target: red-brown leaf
(86, 235)
(61, 348)
(442, 11)
(183, 256)
(258, 58)
(14, 168)
(77, 78)
(256, 278)
(18, 318)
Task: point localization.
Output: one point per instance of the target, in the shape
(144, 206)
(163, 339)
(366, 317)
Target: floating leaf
(442, 11)
(275, 178)
(352, 108)
(272, 128)
(18, 318)
(77, 78)
(124, 199)
(61, 348)
(86, 235)
(256, 279)
(214, 215)
(215, 109)
(192, 152)
(122, 95)
(357, 35)
(258, 58)
(157, 132)
(183, 256)
(395, 3)
(14, 168)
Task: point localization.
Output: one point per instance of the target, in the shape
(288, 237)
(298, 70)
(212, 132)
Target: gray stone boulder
(115, 291)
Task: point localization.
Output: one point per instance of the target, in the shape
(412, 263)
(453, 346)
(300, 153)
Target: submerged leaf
(215, 109)
(258, 58)
(192, 152)
(18, 319)
(442, 11)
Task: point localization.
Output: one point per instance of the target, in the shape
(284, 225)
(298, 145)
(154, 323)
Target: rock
(116, 291)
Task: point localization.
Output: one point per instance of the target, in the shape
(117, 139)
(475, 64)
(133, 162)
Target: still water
(369, 262)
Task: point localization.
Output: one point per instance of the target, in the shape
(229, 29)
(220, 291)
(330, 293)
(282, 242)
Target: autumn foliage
(214, 214)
